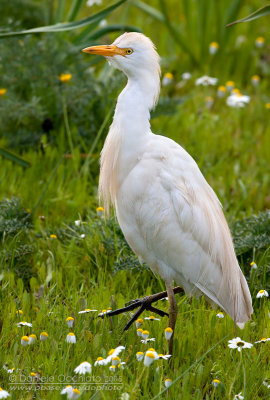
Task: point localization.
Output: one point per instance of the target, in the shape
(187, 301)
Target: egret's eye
(129, 51)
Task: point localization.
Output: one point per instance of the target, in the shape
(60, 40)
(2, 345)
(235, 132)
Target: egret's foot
(144, 304)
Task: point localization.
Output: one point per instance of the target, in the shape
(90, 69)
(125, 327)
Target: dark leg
(145, 304)
(173, 310)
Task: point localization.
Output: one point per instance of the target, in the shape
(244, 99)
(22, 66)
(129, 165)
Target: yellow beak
(106, 51)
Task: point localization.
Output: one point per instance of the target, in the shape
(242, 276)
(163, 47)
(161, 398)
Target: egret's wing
(186, 231)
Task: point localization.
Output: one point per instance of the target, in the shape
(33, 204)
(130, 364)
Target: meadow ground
(60, 256)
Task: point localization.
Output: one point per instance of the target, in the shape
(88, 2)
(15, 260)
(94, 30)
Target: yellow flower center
(53, 236)
(100, 358)
(100, 209)
(168, 329)
(25, 338)
(267, 106)
(76, 391)
(70, 319)
(215, 45)
(240, 344)
(222, 89)
(71, 334)
(261, 291)
(2, 91)
(150, 354)
(65, 77)
(168, 75)
(44, 334)
(216, 380)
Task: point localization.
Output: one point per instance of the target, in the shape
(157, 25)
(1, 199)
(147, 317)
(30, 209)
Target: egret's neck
(134, 103)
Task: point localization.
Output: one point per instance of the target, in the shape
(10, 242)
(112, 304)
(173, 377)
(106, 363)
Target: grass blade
(14, 158)
(112, 28)
(191, 367)
(261, 12)
(74, 9)
(68, 26)
(153, 12)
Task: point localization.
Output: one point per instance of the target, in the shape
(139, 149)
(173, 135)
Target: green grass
(53, 278)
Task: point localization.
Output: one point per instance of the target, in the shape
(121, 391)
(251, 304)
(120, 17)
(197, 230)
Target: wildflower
(64, 78)
(139, 322)
(24, 323)
(206, 81)
(145, 334)
(70, 322)
(103, 23)
(216, 382)
(221, 91)
(253, 265)
(112, 368)
(90, 3)
(124, 396)
(263, 340)
(83, 368)
(87, 310)
(75, 394)
(139, 355)
(186, 76)
(255, 80)
(238, 396)
(2, 91)
(213, 47)
(71, 338)
(82, 236)
(149, 358)
(53, 236)
(209, 101)
(104, 312)
(168, 333)
(152, 318)
(10, 371)
(44, 336)
(236, 91)
(113, 353)
(237, 100)
(100, 211)
(32, 339)
(145, 341)
(100, 361)
(67, 390)
(220, 315)
(167, 382)
(167, 79)
(259, 42)
(25, 340)
(78, 222)
(267, 106)
(266, 383)
(239, 344)
(230, 85)
(164, 356)
(19, 312)
(262, 293)
(3, 394)
(115, 360)
(139, 332)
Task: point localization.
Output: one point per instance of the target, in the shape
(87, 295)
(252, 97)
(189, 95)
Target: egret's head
(133, 53)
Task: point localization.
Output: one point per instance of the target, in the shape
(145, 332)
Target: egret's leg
(173, 310)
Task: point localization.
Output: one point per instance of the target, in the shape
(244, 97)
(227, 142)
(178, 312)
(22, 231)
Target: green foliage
(255, 15)
(13, 218)
(252, 233)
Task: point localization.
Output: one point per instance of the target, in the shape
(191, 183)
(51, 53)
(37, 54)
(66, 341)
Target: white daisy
(167, 382)
(70, 322)
(90, 3)
(145, 334)
(152, 318)
(167, 79)
(24, 340)
(206, 81)
(24, 323)
(262, 293)
(237, 100)
(239, 344)
(112, 368)
(104, 312)
(67, 390)
(87, 310)
(259, 42)
(32, 339)
(100, 361)
(3, 394)
(216, 382)
(43, 336)
(168, 333)
(78, 222)
(139, 322)
(145, 341)
(139, 355)
(213, 48)
(82, 236)
(238, 396)
(113, 353)
(164, 356)
(220, 315)
(253, 265)
(263, 340)
(186, 76)
(83, 368)
(149, 358)
(139, 332)
(71, 338)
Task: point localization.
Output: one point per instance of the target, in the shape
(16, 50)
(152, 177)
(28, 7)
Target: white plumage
(169, 215)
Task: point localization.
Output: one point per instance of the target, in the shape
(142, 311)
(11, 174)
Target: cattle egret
(170, 216)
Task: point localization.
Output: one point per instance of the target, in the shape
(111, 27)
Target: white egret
(170, 216)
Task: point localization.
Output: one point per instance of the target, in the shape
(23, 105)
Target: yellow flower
(259, 42)
(168, 75)
(230, 85)
(267, 106)
(236, 91)
(53, 236)
(221, 91)
(2, 91)
(65, 78)
(20, 312)
(213, 47)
